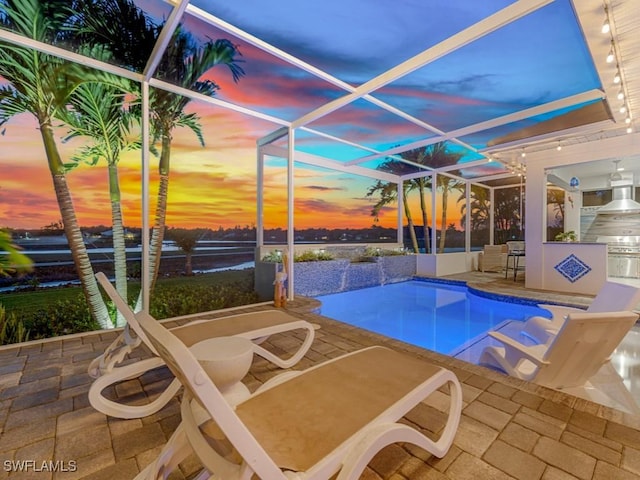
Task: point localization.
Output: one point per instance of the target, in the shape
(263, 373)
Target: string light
(623, 108)
(606, 28)
(616, 77)
(611, 56)
(559, 147)
(620, 94)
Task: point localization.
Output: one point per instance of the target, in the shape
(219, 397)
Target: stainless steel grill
(621, 244)
(624, 255)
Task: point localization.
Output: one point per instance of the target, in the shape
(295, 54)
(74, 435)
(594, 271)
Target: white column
(400, 234)
(290, 210)
(467, 220)
(434, 223)
(535, 209)
(144, 288)
(259, 198)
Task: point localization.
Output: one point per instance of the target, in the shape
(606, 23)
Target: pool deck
(509, 428)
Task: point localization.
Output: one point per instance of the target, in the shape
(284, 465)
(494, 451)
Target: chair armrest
(559, 311)
(516, 351)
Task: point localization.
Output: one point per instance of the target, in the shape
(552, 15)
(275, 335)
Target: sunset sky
(215, 186)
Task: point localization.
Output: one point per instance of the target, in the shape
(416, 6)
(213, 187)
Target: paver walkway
(509, 429)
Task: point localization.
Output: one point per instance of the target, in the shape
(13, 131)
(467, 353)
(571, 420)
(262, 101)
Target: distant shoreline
(60, 269)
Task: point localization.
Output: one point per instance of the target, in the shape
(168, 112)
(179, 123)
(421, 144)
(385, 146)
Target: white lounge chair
(312, 424)
(109, 369)
(493, 258)
(613, 296)
(583, 344)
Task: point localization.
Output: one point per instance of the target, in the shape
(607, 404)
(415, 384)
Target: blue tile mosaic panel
(572, 268)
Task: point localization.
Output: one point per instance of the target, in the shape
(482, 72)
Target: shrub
(383, 252)
(73, 316)
(188, 299)
(12, 330)
(312, 256)
(61, 318)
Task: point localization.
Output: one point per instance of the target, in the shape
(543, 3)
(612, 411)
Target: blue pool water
(440, 317)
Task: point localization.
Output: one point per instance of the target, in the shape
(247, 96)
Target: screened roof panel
(312, 143)
(354, 40)
(516, 67)
(268, 85)
(370, 125)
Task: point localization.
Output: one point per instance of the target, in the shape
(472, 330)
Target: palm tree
(12, 260)
(388, 192)
(479, 210)
(507, 214)
(417, 155)
(479, 213)
(42, 85)
(437, 156)
(98, 112)
(183, 64)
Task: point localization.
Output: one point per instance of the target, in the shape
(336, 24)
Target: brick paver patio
(509, 429)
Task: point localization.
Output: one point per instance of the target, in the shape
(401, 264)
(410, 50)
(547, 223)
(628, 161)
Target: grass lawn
(34, 300)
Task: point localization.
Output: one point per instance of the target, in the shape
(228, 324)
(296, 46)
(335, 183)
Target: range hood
(622, 202)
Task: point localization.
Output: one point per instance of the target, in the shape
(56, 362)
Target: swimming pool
(437, 316)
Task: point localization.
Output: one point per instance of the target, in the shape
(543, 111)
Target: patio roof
(360, 84)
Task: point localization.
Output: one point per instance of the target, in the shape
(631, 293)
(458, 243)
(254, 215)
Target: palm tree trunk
(412, 232)
(443, 227)
(119, 250)
(425, 217)
(72, 231)
(157, 236)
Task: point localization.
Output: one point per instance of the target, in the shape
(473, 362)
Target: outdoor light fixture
(523, 154)
(629, 129)
(606, 28)
(559, 147)
(623, 108)
(611, 56)
(615, 176)
(620, 94)
(616, 77)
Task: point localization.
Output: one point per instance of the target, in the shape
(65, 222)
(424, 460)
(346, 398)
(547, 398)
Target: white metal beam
(173, 21)
(68, 55)
(273, 136)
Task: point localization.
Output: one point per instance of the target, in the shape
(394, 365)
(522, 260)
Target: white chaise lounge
(582, 345)
(329, 419)
(109, 369)
(613, 296)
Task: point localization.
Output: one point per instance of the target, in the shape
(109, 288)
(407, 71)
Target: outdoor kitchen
(600, 206)
(617, 223)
